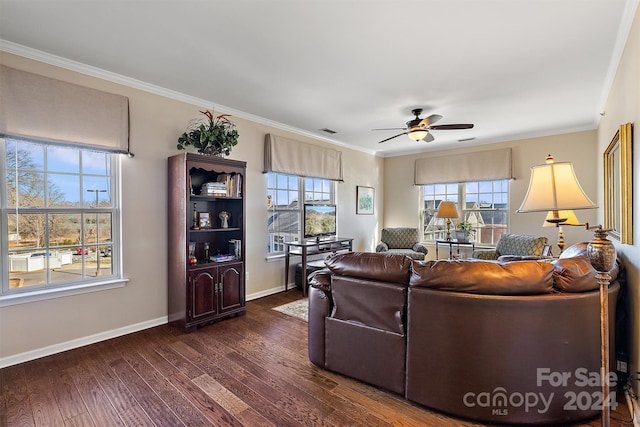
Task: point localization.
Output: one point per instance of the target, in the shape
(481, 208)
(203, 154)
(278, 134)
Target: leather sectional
(506, 342)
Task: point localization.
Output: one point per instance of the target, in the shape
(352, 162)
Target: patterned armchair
(514, 245)
(402, 240)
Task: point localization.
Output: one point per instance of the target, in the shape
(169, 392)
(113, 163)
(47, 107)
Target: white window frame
(88, 283)
(435, 229)
(310, 190)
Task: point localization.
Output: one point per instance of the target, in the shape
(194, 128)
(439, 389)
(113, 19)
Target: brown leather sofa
(513, 342)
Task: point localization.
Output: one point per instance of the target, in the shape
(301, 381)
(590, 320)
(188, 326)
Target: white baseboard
(79, 342)
(268, 292)
(91, 339)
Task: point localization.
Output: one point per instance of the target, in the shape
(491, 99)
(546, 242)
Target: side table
(451, 243)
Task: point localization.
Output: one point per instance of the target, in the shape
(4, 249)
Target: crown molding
(47, 58)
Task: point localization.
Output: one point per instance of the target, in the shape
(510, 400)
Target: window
(485, 205)
(285, 212)
(59, 216)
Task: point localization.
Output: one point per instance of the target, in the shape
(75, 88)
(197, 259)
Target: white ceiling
(514, 68)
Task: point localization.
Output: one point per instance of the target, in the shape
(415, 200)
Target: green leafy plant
(466, 227)
(215, 135)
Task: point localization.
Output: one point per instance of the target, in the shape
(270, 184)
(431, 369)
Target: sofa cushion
(382, 266)
(484, 277)
(574, 275)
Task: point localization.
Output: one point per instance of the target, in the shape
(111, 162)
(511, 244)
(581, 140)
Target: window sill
(47, 294)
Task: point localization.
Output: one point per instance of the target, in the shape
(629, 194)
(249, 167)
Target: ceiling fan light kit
(417, 133)
(418, 129)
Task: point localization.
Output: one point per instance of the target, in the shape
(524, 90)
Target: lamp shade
(571, 219)
(447, 210)
(417, 133)
(554, 187)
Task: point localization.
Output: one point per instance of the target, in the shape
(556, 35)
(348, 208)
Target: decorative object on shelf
(447, 210)
(364, 200)
(618, 185)
(214, 135)
(554, 187)
(464, 230)
(206, 250)
(195, 217)
(224, 219)
(204, 221)
(192, 253)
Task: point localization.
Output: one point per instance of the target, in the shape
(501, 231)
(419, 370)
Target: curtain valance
(477, 166)
(292, 157)
(34, 106)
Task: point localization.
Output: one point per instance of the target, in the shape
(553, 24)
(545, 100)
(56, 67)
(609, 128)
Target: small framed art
(364, 200)
(204, 220)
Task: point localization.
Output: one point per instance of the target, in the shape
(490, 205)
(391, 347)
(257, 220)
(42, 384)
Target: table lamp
(571, 219)
(554, 187)
(447, 210)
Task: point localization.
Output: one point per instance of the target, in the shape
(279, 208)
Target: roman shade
(477, 166)
(292, 157)
(38, 107)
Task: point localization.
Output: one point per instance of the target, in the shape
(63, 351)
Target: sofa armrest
(319, 309)
(487, 254)
(420, 247)
(382, 247)
(321, 279)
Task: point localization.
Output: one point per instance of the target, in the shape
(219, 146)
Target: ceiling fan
(418, 129)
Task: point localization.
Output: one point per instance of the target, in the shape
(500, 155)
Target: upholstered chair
(514, 245)
(402, 240)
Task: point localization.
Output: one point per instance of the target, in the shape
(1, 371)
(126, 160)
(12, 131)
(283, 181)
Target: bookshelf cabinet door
(231, 288)
(204, 295)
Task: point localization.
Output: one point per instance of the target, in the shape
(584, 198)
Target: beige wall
(402, 203)
(33, 329)
(623, 106)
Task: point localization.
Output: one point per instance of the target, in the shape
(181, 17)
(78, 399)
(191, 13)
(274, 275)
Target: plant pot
(461, 236)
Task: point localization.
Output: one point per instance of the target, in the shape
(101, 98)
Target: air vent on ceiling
(466, 139)
(329, 131)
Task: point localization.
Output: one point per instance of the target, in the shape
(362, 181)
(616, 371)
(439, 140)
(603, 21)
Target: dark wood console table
(312, 247)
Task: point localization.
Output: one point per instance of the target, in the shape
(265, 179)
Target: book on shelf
(231, 183)
(221, 258)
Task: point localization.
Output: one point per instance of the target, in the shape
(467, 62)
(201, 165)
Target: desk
(451, 243)
(312, 247)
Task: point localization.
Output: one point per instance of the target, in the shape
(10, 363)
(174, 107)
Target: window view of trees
(285, 211)
(58, 213)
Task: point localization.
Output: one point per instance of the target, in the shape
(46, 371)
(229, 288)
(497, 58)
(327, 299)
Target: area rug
(298, 308)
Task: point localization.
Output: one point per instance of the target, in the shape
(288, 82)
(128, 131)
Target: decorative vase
(462, 236)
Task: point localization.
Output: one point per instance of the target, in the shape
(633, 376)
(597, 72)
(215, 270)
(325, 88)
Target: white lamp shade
(447, 210)
(554, 187)
(417, 133)
(571, 218)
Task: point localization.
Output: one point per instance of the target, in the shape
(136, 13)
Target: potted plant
(215, 135)
(464, 230)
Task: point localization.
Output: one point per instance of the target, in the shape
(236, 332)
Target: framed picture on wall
(364, 200)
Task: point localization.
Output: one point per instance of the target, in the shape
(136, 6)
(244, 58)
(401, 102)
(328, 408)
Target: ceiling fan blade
(394, 136)
(451, 127)
(430, 120)
(390, 129)
(428, 138)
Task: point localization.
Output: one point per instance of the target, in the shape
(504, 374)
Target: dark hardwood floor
(247, 371)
